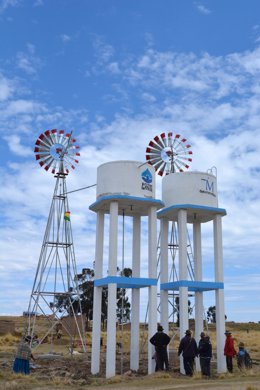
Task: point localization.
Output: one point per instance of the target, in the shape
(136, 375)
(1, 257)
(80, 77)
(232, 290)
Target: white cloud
(6, 88)
(202, 9)
(65, 38)
(212, 101)
(28, 61)
(38, 3)
(14, 143)
(22, 106)
(5, 4)
(104, 51)
(113, 68)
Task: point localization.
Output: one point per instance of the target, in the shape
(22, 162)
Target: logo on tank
(147, 179)
(208, 187)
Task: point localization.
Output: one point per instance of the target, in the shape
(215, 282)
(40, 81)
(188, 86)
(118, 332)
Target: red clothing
(229, 349)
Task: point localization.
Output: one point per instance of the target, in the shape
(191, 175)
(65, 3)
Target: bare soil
(63, 371)
(74, 372)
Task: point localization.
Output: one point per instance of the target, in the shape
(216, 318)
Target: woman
(22, 357)
(229, 351)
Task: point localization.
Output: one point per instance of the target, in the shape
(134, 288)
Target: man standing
(205, 353)
(160, 340)
(229, 351)
(188, 348)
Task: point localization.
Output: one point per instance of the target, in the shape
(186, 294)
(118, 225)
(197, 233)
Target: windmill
(55, 294)
(170, 154)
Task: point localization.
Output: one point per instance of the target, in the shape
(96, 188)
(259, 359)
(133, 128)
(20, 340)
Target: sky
(117, 73)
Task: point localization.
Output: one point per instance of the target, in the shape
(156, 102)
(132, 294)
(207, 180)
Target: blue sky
(118, 73)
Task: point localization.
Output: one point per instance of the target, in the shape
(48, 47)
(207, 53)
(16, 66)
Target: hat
(202, 334)
(159, 328)
(241, 345)
(227, 332)
(188, 332)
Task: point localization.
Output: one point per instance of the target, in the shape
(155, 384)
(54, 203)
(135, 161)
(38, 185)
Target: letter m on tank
(209, 186)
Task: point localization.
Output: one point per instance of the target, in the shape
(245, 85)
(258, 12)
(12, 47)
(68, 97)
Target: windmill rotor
(168, 153)
(57, 150)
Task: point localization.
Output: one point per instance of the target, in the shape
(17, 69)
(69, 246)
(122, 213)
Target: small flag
(67, 215)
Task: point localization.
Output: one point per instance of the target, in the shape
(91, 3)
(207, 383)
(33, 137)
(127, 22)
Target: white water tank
(195, 188)
(132, 178)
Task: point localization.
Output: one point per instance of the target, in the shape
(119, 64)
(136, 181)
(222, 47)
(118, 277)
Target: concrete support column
(220, 307)
(96, 330)
(135, 307)
(111, 312)
(183, 291)
(152, 266)
(198, 277)
(164, 274)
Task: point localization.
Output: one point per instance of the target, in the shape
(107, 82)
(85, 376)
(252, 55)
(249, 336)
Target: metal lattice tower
(173, 247)
(55, 294)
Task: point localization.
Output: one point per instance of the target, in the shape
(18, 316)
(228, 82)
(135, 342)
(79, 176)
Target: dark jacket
(160, 340)
(188, 347)
(205, 348)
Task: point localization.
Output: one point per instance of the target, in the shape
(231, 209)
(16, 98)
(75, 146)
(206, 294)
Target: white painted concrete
(96, 330)
(220, 307)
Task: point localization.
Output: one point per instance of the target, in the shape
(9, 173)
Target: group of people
(242, 356)
(189, 349)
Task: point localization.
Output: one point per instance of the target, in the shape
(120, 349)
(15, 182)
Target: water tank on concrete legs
(197, 188)
(132, 178)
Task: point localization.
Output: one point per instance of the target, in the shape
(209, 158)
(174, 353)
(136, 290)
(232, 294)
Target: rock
(128, 373)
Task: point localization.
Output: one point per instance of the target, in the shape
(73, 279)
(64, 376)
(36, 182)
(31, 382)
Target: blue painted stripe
(128, 197)
(192, 206)
(192, 285)
(124, 282)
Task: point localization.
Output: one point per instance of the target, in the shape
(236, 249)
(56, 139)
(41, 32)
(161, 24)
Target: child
(243, 358)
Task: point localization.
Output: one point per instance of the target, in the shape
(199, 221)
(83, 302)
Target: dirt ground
(59, 372)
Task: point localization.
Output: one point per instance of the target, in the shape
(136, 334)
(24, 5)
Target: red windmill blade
(57, 151)
(168, 153)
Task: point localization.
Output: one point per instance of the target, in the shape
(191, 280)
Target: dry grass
(74, 371)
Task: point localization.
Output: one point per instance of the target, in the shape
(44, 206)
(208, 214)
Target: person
(160, 340)
(205, 354)
(189, 350)
(22, 357)
(229, 351)
(35, 340)
(244, 360)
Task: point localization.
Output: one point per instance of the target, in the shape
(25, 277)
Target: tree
(211, 314)
(123, 305)
(177, 309)
(86, 287)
